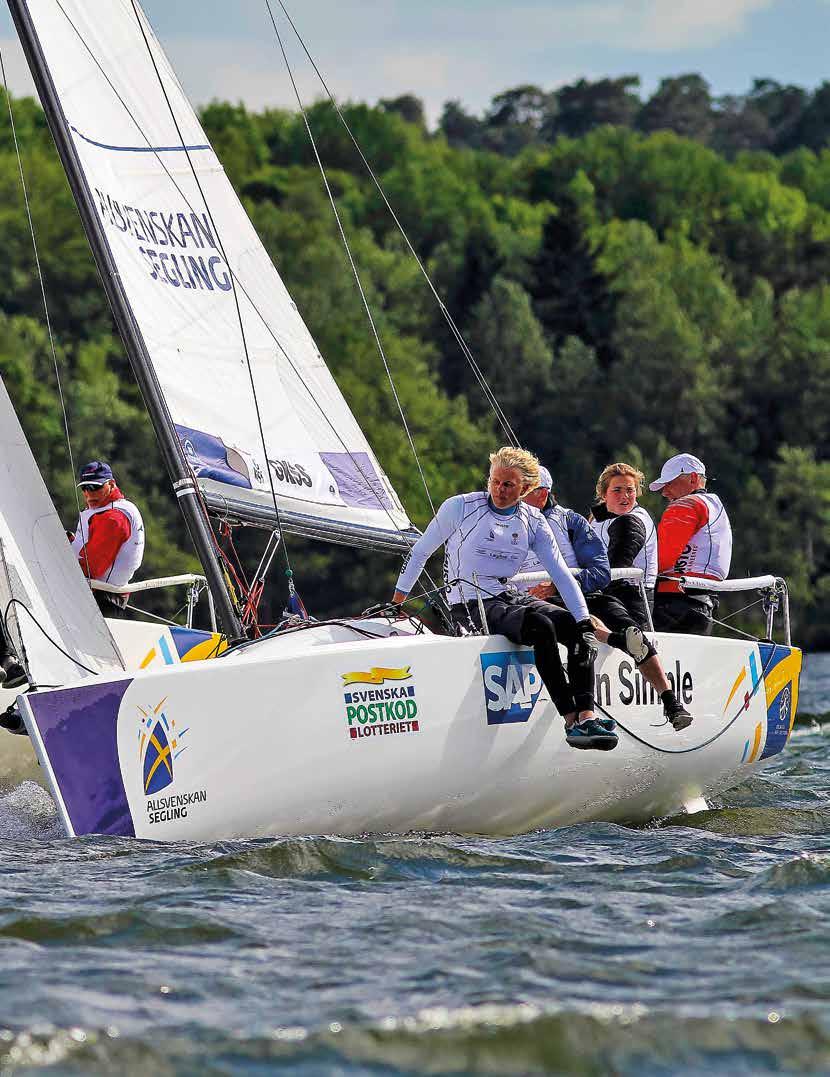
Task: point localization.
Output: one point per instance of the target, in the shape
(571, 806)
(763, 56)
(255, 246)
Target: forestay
(202, 288)
(38, 569)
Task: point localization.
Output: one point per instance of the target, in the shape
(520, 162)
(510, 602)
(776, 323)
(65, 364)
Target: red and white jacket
(694, 538)
(109, 540)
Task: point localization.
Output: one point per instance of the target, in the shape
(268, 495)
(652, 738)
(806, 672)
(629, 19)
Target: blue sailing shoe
(590, 734)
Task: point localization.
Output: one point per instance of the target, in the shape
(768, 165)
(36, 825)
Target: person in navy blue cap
(109, 535)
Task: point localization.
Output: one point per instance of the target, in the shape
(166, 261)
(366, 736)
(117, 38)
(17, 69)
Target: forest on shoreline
(633, 278)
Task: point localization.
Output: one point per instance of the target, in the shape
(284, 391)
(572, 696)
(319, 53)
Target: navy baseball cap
(95, 473)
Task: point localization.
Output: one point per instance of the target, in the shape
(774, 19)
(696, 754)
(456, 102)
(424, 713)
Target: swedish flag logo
(158, 746)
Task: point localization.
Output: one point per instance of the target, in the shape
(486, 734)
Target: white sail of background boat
(365, 724)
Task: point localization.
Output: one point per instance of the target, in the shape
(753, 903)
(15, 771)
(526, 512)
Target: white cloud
(659, 25)
(465, 49)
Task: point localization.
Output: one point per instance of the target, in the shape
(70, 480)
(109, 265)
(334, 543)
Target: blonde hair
(604, 481)
(523, 461)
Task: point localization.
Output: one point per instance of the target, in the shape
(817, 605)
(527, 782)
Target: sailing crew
(694, 538)
(628, 533)
(108, 537)
(591, 555)
(487, 536)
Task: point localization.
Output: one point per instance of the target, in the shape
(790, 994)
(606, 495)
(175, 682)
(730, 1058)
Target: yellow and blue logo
(159, 743)
(189, 645)
(779, 675)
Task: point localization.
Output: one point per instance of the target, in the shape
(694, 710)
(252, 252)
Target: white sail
(201, 286)
(38, 569)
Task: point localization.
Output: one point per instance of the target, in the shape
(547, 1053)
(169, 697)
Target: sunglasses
(92, 485)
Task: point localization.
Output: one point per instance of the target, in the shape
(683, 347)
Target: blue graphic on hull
(511, 685)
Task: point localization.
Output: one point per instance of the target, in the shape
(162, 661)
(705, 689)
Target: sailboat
(362, 724)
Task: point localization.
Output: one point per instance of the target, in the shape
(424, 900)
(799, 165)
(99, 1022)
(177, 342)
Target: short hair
(604, 481)
(520, 459)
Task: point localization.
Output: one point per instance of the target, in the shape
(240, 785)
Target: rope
(249, 610)
(341, 230)
(706, 743)
(55, 644)
(489, 395)
(43, 296)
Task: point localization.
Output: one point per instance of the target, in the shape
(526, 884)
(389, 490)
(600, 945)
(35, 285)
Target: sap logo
(511, 686)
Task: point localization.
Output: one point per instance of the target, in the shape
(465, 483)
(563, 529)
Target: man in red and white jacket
(694, 538)
(109, 535)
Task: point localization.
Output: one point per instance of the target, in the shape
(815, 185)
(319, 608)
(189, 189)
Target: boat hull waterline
(399, 734)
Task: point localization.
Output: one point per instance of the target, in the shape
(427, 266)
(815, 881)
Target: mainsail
(202, 291)
(38, 570)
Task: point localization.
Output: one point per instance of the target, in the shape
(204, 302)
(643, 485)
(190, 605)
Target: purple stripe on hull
(79, 729)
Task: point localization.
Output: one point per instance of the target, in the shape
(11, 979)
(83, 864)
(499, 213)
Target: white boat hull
(143, 645)
(287, 737)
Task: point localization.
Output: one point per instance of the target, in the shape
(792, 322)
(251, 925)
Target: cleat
(678, 716)
(590, 734)
(636, 643)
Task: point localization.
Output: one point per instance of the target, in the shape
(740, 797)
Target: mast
(184, 485)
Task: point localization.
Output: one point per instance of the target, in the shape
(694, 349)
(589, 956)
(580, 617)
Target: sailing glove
(586, 646)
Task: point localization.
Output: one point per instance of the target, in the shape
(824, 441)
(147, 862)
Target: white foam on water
(28, 811)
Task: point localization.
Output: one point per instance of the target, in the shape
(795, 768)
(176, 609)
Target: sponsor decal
(511, 686)
(377, 675)
(635, 689)
(159, 746)
(287, 471)
(379, 711)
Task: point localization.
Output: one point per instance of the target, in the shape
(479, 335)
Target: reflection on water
(697, 944)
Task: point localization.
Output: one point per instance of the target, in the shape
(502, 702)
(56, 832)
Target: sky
(470, 50)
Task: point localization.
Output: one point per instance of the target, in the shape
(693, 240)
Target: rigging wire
(489, 395)
(300, 380)
(358, 281)
(227, 262)
(42, 283)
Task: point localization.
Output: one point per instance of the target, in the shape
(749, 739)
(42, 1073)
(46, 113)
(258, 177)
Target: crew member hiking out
(585, 552)
(108, 537)
(694, 538)
(487, 536)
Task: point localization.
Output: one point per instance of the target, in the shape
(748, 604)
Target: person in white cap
(694, 538)
(588, 553)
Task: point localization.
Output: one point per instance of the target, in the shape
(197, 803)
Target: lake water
(699, 945)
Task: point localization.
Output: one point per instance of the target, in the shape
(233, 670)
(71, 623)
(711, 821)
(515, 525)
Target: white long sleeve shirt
(479, 539)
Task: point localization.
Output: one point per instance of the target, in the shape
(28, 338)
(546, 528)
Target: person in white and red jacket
(109, 535)
(694, 538)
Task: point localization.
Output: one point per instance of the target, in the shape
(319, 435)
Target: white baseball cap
(545, 481)
(682, 464)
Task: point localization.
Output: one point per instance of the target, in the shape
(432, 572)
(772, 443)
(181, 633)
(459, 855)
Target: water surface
(697, 945)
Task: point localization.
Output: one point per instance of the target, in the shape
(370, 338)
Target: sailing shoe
(677, 714)
(590, 734)
(636, 643)
(14, 673)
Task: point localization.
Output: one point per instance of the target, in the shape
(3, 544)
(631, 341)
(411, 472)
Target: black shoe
(590, 734)
(10, 719)
(14, 673)
(677, 715)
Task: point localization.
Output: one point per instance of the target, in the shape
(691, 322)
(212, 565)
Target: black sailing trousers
(540, 625)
